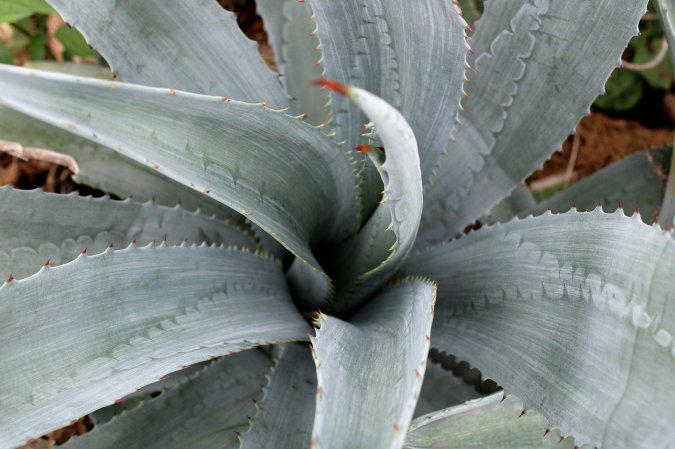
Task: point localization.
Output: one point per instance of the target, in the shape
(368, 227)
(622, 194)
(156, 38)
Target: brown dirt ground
(603, 140)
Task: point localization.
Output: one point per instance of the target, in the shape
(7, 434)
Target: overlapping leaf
(36, 226)
(539, 65)
(284, 175)
(411, 54)
(105, 169)
(204, 410)
(194, 46)
(370, 369)
(363, 263)
(494, 422)
(81, 335)
(291, 27)
(287, 410)
(573, 313)
(637, 182)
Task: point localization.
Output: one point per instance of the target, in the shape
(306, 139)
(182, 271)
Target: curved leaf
(635, 182)
(36, 226)
(199, 41)
(106, 169)
(282, 174)
(133, 316)
(442, 389)
(205, 410)
(573, 313)
(370, 369)
(363, 263)
(539, 65)
(287, 410)
(291, 27)
(494, 422)
(384, 47)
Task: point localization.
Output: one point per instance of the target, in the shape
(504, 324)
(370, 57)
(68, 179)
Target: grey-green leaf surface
(442, 389)
(370, 369)
(287, 410)
(493, 422)
(73, 68)
(205, 410)
(36, 226)
(79, 336)
(573, 313)
(364, 263)
(411, 54)
(282, 174)
(635, 182)
(291, 28)
(520, 201)
(539, 65)
(195, 46)
(106, 169)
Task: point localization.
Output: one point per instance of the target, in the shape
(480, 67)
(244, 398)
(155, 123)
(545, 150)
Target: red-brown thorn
(333, 85)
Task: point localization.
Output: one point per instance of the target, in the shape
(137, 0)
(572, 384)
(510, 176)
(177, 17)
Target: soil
(603, 139)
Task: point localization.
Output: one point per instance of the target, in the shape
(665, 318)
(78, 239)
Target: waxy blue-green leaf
(204, 410)
(36, 226)
(411, 54)
(539, 65)
(363, 263)
(370, 369)
(634, 182)
(519, 202)
(79, 336)
(291, 28)
(573, 313)
(194, 46)
(102, 168)
(287, 410)
(282, 174)
(493, 422)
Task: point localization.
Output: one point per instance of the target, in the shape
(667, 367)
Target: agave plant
(571, 312)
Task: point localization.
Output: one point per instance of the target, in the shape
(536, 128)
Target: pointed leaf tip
(333, 85)
(10, 278)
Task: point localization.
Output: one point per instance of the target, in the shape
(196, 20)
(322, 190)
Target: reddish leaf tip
(110, 245)
(333, 85)
(84, 251)
(10, 278)
(47, 262)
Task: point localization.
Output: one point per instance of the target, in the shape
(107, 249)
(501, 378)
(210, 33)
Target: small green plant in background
(347, 229)
(32, 30)
(647, 65)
